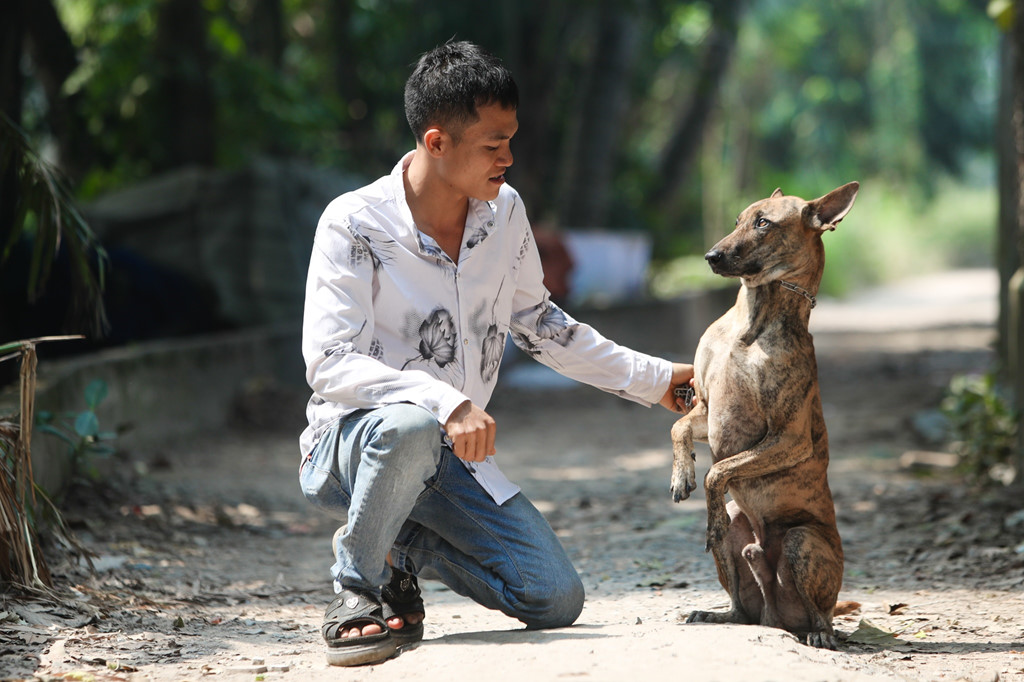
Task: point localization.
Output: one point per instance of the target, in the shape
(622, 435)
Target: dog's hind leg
(693, 426)
(744, 590)
(811, 567)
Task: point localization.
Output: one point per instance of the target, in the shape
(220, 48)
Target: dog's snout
(714, 256)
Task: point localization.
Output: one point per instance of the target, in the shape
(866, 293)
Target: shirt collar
(480, 219)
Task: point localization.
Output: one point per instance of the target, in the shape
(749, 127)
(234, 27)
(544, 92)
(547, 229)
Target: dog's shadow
(931, 648)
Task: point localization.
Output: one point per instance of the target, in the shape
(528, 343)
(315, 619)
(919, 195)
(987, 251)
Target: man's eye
(762, 222)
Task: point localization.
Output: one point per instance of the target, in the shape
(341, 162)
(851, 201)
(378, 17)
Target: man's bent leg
(504, 557)
(374, 464)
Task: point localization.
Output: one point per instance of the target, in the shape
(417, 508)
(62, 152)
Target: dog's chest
(744, 384)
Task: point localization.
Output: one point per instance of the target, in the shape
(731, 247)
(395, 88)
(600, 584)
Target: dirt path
(214, 567)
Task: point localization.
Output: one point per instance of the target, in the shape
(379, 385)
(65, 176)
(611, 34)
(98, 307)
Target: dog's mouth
(727, 267)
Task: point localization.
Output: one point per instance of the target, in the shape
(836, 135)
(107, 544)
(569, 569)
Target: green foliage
(80, 431)
(872, 89)
(47, 220)
(919, 234)
(900, 91)
(951, 229)
(983, 426)
(1002, 12)
(683, 274)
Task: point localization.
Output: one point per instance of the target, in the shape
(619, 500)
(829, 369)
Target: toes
(369, 629)
(398, 622)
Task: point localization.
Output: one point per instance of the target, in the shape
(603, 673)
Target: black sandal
(400, 598)
(353, 609)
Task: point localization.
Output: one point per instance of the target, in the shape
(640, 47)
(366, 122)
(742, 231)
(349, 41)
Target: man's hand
(682, 375)
(472, 431)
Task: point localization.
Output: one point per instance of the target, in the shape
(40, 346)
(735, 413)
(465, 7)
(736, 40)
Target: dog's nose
(714, 256)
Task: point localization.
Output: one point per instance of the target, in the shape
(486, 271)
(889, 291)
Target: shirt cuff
(446, 404)
(651, 378)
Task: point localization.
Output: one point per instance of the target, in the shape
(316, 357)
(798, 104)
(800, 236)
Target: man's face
(475, 165)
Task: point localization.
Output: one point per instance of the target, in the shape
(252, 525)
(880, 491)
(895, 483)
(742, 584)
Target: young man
(414, 282)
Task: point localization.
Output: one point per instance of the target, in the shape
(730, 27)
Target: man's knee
(410, 432)
(558, 604)
(406, 420)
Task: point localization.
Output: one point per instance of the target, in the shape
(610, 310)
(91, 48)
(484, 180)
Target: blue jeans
(402, 491)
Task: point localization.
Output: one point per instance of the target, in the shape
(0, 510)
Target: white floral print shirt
(390, 318)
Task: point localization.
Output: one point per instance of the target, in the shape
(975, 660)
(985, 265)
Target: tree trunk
(1016, 288)
(12, 28)
(184, 86)
(266, 34)
(678, 157)
(54, 59)
(535, 53)
(603, 104)
(1007, 254)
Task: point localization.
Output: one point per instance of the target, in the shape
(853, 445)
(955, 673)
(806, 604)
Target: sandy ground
(211, 565)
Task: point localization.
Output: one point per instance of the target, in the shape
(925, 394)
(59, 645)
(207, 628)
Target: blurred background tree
(662, 116)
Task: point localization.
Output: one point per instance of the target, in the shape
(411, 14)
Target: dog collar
(799, 290)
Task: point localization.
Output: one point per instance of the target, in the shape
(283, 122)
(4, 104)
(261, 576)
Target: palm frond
(47, 217)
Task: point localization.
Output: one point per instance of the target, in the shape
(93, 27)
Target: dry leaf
(869, 633)
(845, 607)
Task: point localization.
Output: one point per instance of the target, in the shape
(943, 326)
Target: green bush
(983, 427)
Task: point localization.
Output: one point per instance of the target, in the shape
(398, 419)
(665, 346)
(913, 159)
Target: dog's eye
(762, 222)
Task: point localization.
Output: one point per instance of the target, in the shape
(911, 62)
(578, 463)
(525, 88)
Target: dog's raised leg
(694, 426)
(776, 452)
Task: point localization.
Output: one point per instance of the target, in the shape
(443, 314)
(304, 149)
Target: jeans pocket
(320, 483)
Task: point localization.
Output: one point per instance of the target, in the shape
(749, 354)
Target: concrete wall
(166, 390)
(174, 389)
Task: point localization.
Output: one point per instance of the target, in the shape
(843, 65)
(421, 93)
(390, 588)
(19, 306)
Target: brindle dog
(775, 544)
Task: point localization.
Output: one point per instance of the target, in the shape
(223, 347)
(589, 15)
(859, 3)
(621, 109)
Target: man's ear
(435, 141)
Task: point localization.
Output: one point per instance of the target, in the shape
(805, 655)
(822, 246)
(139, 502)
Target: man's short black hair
(450, 82)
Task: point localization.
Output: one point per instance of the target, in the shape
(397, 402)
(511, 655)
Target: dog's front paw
(822, 640)
(684, 480)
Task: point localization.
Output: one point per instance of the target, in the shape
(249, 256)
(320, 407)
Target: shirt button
(465, 342)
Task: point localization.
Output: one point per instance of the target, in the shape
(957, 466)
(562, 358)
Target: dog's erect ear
(776, 194)
(834, 206)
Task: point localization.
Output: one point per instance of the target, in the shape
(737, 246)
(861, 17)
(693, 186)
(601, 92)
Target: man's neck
(436, 210)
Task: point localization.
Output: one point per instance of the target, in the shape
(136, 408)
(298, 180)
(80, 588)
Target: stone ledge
(172, 389)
